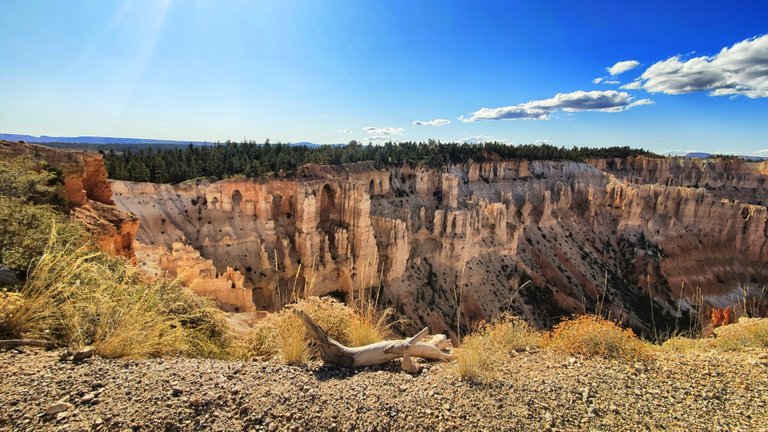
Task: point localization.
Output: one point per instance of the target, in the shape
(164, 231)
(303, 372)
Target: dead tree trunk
(376, 353)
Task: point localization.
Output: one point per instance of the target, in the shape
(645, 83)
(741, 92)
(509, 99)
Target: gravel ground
(538, 391)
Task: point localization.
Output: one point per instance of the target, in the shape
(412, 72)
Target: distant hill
(97, 140)
(698, 155)
(703, 155)
(44, 139)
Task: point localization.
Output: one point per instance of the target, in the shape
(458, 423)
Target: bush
(30, 201)
(483, 352)
(679, 344)
(747, 333)
(25, 229)
(474, 362)
(76, 297)
(592, 336)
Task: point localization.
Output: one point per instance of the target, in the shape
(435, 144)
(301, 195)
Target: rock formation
(197, 273)
(648, 241)
(89, 193)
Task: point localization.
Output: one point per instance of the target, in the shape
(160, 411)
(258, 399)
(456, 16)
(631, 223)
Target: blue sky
(331, 71)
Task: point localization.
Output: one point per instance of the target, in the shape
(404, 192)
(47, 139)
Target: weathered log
(376, 353)
(10, 343)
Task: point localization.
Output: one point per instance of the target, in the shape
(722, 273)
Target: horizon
(331, 72)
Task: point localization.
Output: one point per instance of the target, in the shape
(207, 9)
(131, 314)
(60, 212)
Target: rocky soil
(537, 391)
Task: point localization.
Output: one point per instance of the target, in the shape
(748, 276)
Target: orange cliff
(89, 192)
(541, 239)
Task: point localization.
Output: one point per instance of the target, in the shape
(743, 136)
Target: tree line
(173, 164)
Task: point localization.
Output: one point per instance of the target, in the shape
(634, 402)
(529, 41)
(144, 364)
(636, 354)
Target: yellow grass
(76, 297)
(593, 336)
(747, 333)
(483, 352)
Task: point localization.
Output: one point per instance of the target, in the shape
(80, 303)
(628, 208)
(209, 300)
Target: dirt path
(538, 391)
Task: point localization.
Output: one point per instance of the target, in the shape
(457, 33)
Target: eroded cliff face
(542, 239)
(89, 193)
(733, 179)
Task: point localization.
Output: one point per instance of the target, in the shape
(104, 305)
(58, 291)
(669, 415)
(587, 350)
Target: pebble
(695, 392)
(57, 408)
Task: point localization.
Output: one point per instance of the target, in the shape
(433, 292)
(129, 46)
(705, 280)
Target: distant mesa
(698, 155)
(44, 139)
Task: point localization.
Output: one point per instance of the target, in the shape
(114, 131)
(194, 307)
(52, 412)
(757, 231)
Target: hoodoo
(645, 239)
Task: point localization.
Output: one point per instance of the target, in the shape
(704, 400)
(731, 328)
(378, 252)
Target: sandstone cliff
(649, 241)
(89, 193)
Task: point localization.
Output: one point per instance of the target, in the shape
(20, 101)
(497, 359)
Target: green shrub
(30, 202)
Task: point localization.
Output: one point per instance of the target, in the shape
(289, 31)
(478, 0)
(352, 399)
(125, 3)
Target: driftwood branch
(10, 343)
(376, 353)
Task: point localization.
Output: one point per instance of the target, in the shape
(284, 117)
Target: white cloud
(741, 69)
(603, 101)
(634, 85)
(479, 139)
(604, 80)
(383, 130)
(345, 131)
(622, 67)
(378, 139)
(435, 122)
(761, 151)
(515, 112)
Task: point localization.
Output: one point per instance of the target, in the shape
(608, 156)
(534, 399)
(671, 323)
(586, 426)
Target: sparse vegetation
(593, 336)
(484, 351)
(76, 297)
(745, 334)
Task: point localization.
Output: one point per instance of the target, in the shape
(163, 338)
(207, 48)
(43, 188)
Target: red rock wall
(88, 190)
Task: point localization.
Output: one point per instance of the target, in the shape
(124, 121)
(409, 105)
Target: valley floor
(538, 391)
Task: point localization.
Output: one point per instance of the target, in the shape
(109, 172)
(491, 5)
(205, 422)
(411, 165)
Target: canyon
(653, 242)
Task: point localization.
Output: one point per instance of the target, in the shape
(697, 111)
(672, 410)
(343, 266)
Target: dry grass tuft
(484, 351)
(291, 340)
(10, 302)
(747, 333)
(77, 297)
(369, 325)
(473, 360)
(681, 344)
(593, 336)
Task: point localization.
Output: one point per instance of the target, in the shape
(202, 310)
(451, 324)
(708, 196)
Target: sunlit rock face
(88, 191)
(649, 241)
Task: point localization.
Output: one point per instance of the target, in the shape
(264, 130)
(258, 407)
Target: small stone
(88, 398)
(82, 354)
(57, 408)
(585, 394)
(177, 391)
